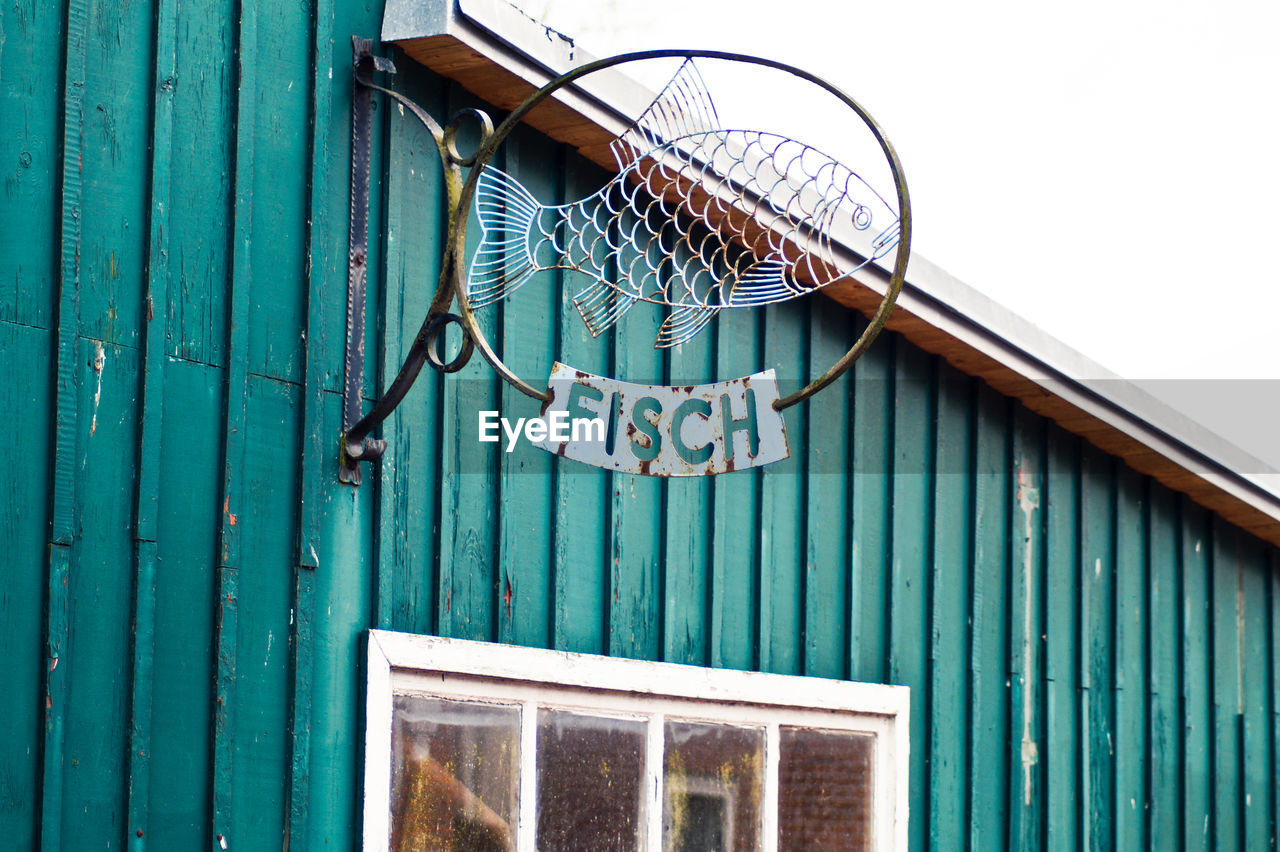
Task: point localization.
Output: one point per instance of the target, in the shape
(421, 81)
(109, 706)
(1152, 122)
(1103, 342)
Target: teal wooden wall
(1093, 659)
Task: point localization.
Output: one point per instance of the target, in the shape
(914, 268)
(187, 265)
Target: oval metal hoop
(490, 144)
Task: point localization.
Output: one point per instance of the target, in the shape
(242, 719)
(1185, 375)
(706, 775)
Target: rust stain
(506, 597)
(226, 508)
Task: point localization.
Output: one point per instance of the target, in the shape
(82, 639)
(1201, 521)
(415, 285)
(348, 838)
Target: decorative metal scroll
(698, 219)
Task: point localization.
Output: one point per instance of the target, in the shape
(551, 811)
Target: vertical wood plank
(31, 94)
(1165, 642)
(826, 615)
(233, 501)
(190, 475)
(1225, 591)
(1197, 693)
(529, 528)
(912, 528)
(99, 595)
(1062, 649)
(988, 661)
(24, 520)
(947, 726)
(687, 556)
(873, 426)
(200, 92)
(583, 495)
(1026, 642)
(316, 482)
(638, 509)
(409, 490)
(735, 566)
(1131, 631)
(113, 156)
(1258, 756)
(34, 288)
(63, 485)
(1097, 646)
(277, 251)
(469, 505)
(782, 506)
(259, 738)
(1273, 610)
(151, 392)
(343, 610)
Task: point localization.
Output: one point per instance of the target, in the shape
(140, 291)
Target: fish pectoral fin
(682, 324)
(601, 305)
(763, 282)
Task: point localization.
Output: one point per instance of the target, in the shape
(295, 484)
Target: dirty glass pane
(712, 781)
(455, 776)
(590, 782)
(825, 785)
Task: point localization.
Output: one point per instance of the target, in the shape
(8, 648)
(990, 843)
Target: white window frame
(402, 663)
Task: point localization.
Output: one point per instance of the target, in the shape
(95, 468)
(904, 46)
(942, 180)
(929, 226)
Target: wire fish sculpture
(698, 219)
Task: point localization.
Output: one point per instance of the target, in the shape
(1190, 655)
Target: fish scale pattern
(697, 219)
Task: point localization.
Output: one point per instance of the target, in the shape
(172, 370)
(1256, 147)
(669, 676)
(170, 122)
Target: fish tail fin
(504, 260)
(602, 305)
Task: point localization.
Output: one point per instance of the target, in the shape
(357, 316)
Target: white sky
(1109, 171)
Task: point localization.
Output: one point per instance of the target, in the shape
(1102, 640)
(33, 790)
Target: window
(473, 747)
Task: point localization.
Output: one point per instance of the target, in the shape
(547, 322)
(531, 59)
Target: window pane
(712, 778)
(825, 789)
(455, 781)
(590, 783)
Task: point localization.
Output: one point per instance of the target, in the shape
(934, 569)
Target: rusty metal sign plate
(655, 430)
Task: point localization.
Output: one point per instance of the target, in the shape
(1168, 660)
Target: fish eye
(861, 217)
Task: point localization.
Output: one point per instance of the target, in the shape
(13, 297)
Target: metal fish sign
(698, 219)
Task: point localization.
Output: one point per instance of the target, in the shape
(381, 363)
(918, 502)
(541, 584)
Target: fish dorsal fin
(682, 108)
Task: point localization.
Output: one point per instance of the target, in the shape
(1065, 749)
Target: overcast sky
(1109, 171)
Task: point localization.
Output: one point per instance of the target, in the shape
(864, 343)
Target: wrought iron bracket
(358, 443)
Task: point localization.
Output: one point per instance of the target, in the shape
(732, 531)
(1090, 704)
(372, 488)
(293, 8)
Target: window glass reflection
(590, 783)
(712, 782)
(455, 776)
(825, 787)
